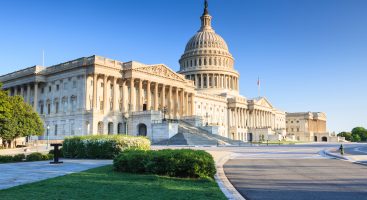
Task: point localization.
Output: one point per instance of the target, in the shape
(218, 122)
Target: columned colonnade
(214, 80)
(245, 118)
(25, 91)
(143, 95)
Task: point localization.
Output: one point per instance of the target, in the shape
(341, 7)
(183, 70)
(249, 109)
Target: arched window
(142, 128)
(119, 128)
(210, 61)
(200, 62)
(100, 128)
(205, 62)
(110, 128)
(190, 63)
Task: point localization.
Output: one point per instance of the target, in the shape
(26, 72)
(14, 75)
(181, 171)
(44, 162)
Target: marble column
(28, 93)
(124, 97)
(140, 97)
(35, 100)
(105, 94)
(187, 104)
(163, 96)
(213, 80)
(176, 104)
(156, 104)
(149, 96)
(95, 80)
(202, 81)
(22, 91)
(115, 107)
(170, 102)
(132, 95)
(207, 81)
(182, 103)
(192, 104)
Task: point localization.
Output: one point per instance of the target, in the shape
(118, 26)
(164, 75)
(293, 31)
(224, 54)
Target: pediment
(162, 71)
(264, 103)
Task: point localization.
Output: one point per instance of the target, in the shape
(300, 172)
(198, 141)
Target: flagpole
(258, 86)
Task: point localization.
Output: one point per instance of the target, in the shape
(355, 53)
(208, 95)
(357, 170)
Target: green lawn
(103, 183)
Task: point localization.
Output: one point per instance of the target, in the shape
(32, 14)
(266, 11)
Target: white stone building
(97, 95)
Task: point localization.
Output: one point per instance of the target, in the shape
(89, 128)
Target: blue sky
(311, 55)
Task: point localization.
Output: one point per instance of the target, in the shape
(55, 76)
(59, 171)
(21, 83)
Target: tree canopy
(17, 118)
(358, 134)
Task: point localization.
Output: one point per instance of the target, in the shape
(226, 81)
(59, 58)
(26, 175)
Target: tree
(17, 119)
(361, 132)
(347, 135)
(356, 138)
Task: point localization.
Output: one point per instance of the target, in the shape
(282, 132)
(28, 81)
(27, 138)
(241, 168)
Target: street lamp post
(207, 119)
(48, 138)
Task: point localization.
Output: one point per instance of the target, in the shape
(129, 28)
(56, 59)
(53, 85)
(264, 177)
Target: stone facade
(309, 127)
(96, 95)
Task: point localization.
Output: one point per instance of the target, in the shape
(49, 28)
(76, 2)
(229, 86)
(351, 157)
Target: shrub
(50, 156)
(102, 146)
(35, 157)
(183, 163)
(6, 159)
(18, 158)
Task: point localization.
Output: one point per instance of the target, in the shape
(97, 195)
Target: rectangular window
(49, 88)
(42, 90)
(74, 84)
(101, 105)
(48, 108)
(57, 107)
(55, 129)
(65, 86)
(57, 87)
(41, 109)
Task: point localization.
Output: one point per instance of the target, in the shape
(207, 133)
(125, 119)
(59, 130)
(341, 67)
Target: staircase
(191, 135)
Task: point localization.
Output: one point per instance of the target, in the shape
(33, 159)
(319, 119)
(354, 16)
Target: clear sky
(311, 55)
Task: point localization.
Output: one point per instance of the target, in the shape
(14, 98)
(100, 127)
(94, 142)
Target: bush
(19, 158)
(183, 163)
(102, 146)
(35, 157)
(6, 159)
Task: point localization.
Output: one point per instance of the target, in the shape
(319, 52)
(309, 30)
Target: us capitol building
(96, 95)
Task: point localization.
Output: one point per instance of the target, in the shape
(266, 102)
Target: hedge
(102, 146)
(23, 157)
(184, 163)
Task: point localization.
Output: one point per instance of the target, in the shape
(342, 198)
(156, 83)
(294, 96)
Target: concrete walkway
(15, 174)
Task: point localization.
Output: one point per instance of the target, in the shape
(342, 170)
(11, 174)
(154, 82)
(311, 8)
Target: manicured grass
(104, 183)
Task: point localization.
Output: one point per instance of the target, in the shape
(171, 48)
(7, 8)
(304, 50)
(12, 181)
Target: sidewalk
(15, 174)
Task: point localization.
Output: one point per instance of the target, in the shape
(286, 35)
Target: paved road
(295, 173)
(358, 150)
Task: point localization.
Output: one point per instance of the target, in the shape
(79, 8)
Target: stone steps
(191, 135)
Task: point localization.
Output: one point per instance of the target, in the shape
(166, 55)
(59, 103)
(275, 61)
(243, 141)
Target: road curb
(224, 184)
(328, 153)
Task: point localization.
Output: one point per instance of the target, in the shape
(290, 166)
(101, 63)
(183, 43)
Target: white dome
(206, 39)
(208, 62)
